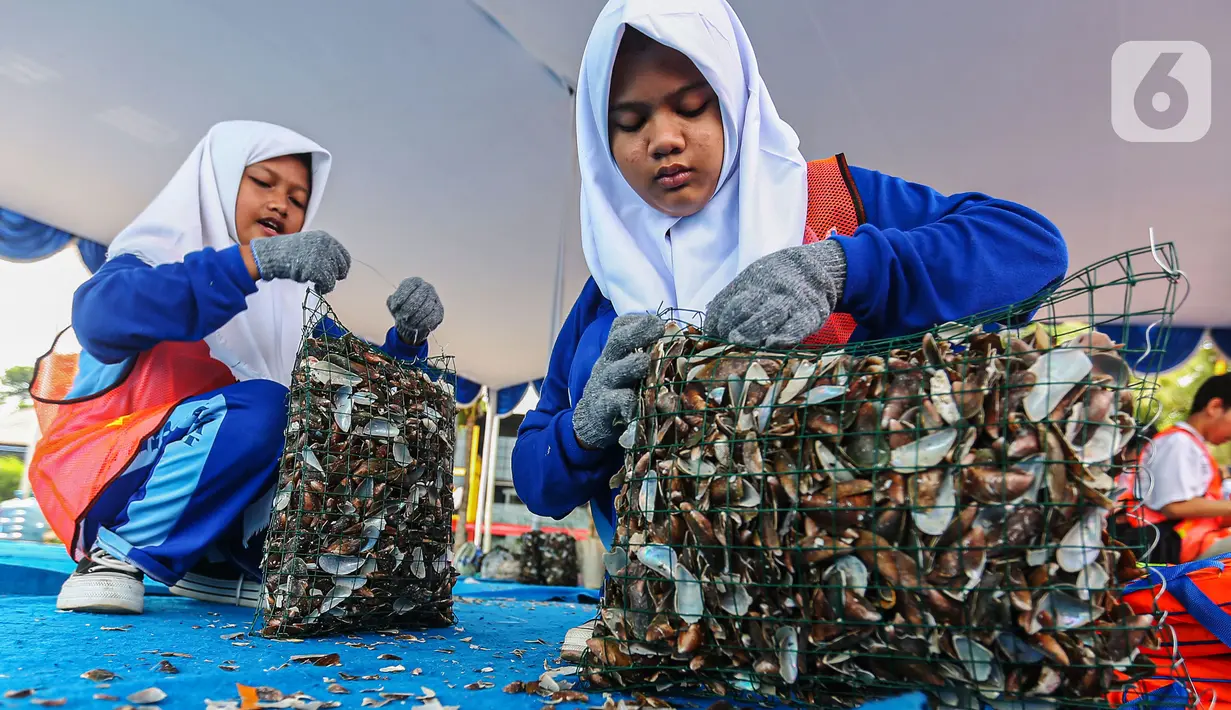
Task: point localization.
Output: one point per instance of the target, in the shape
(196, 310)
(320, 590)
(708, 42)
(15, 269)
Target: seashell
(823, 393)
(1017, 650)
(658, 558)
(801, 377)
(786, 642)
(343, 401)
(647, 496)
(735, 599)
(1101, 446)
(688, 599)
(283, 498)
(934, 519)
(977, 660)
(941, 390)
(380, 428)
(339, 564)
(1083, 543)
(1056, 372)
(310, 459)
(615, 561)
(328, 373)
(849, 573)
(924, 453)
(1093, 577)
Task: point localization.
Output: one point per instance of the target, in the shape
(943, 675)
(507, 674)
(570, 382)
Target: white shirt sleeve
(1175, 469)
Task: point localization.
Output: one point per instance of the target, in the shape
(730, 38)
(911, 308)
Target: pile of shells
(500, 564)
(361, 531)
(839, 526)
(549, 559)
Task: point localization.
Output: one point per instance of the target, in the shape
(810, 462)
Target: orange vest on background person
(89, 440)
(834, 207)
(1196, 535)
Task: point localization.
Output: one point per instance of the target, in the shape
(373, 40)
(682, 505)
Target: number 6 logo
(1161, 92)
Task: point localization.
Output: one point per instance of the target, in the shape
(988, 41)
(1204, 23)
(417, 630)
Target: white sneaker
(104, 585)
(220, 584)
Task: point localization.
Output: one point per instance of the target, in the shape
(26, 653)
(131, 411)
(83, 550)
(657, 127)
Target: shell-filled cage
(360, 535)
(548, 559)
(828, 526)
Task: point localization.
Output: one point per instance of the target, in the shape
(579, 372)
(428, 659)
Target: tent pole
(491, 499)
(483, 468)
(487, 478)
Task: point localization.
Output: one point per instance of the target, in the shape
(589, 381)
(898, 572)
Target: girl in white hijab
(696, 199)
(189, 334)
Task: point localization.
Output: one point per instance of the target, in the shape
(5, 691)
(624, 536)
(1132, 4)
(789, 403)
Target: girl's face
(665, 126)
(273, 197)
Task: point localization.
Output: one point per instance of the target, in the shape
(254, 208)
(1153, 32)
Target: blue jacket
(921, 259)
(128, 307)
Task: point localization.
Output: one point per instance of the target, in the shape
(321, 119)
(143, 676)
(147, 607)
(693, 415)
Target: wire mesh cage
(548, 559)
(832, 525)
(361, 528)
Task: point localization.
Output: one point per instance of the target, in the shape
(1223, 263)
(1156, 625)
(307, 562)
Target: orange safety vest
(1196, 534)
(89, 440)
(1193, 603)
(834, 207)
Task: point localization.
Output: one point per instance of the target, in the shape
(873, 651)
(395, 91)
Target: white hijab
(762, 195)
(196, 209)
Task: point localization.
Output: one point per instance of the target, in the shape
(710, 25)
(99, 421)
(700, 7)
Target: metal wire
(828, 526)
(360, 535)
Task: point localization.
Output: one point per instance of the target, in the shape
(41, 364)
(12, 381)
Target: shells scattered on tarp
(361, 532)
(836, 525)
(548, 559)
(166, 667)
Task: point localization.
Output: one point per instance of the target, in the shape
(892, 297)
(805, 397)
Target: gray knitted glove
(781, 298)
(606, 405)
(416, 310)
(302, 257)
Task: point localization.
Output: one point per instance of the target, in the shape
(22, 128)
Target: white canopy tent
(451, 126)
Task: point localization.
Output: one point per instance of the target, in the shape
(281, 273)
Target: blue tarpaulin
(505, 632)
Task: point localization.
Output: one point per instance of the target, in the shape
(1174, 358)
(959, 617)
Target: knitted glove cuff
(256, 259)
(832, 259)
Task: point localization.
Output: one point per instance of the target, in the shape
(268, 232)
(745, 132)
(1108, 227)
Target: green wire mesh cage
(548, 559)
(829, 526)
(360, 533)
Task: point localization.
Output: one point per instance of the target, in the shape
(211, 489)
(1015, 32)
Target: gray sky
(36, 302)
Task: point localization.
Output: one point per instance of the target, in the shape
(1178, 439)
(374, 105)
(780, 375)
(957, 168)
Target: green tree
(15, 382)
(10, 476)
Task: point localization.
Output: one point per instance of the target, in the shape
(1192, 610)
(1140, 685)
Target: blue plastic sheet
(1163, 350)
(25, 239)
(40, 648)
(505, 632)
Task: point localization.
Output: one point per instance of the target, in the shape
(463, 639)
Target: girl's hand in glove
(304, 257)
(416, 310)
(606, 405)
(781, 298)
